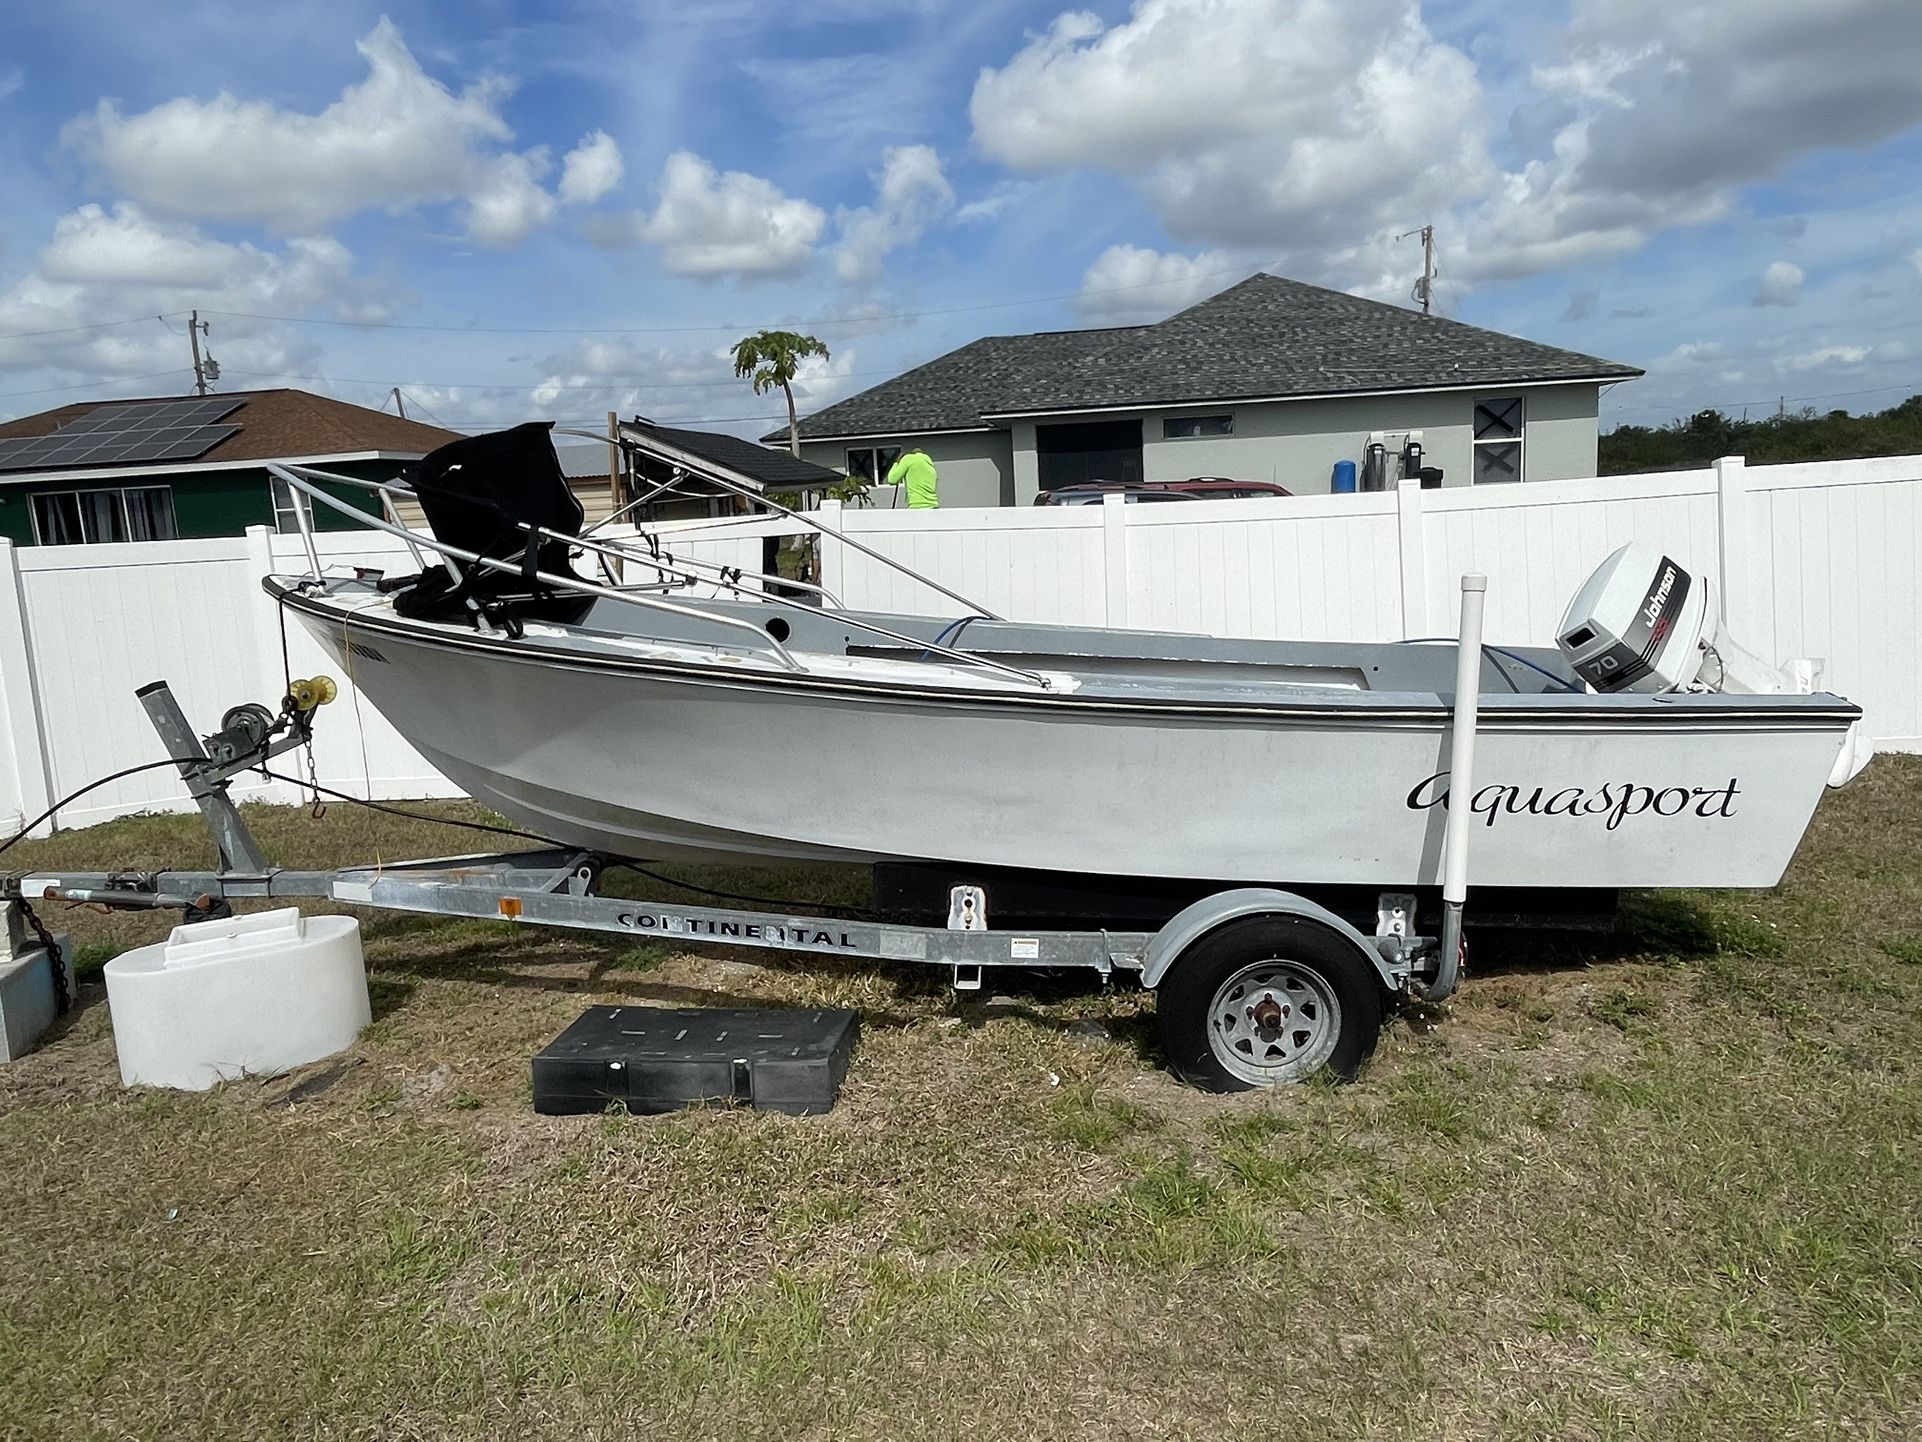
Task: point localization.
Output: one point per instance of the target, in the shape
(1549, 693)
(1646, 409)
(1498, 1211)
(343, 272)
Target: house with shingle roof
(162, 468)
(1270, 380)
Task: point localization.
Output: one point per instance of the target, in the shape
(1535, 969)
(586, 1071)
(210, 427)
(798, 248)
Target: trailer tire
(1268, 1001)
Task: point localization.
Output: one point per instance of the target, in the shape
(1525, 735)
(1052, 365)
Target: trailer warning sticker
(1612, 803)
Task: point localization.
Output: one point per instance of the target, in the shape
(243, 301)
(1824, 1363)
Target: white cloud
(1672, 104)
(1270, 122)
(591, 169)
(508, 204)
(1915, 259)
(1129, 283)
(397, 139)
(1838, 356)
(1003, 196)
(911, 194)
(11, 81)
(1316, 131)
(679, 386)
(712, 223)
(1781, 284)
(106, 265)
(1711, 94)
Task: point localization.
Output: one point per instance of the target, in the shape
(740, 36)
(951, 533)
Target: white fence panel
(1537, 543)
(1309, 568)
(1840, 540)
(105, 620)
(101, 621)
(1045, 564)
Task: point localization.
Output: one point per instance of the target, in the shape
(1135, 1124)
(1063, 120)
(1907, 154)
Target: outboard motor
(1643, 623)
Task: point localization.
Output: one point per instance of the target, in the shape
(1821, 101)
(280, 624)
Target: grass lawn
(1661, 1186)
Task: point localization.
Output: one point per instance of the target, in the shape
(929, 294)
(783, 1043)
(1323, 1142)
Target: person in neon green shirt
(916, 471)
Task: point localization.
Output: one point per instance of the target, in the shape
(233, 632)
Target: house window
(872, 463)
(1498, 441)
(1185, 428)
(75, 518)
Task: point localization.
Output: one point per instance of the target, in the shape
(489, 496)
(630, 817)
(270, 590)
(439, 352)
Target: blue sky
(512, 209)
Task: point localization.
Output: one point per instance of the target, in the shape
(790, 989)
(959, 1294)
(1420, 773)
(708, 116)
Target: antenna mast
(1424, 290)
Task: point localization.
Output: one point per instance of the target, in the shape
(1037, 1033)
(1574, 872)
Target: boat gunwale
(1498, 710)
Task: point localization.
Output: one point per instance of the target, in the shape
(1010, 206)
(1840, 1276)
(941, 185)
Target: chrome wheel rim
(1274, 1022)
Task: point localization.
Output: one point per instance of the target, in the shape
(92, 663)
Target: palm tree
(769, 359)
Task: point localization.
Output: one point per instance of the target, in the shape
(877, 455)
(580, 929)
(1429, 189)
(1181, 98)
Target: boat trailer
(1256, 986)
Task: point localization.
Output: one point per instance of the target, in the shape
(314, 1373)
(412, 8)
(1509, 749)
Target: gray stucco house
(1271, 380)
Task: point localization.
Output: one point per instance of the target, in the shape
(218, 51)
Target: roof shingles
(1265, 337)
(274, 425)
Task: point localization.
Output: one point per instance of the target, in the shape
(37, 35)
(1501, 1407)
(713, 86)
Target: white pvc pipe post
(1461, 782)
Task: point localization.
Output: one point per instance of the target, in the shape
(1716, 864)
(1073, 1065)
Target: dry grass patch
(1661, 1185)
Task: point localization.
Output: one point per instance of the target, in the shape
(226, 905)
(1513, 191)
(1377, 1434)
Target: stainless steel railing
(305, 481)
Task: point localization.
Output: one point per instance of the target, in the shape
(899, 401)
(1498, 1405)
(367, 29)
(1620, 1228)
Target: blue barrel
(1343, 480)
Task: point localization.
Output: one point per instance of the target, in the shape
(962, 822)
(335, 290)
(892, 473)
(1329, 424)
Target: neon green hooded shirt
(917, 471)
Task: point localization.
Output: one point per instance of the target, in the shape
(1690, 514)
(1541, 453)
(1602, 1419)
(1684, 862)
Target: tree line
(1805, 435)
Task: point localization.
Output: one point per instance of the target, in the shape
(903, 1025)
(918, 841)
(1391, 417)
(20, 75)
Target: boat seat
(476, 493)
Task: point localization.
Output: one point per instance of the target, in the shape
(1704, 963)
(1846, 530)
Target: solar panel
(118, 434)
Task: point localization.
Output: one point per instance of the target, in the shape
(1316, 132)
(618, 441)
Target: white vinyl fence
(1818, 560)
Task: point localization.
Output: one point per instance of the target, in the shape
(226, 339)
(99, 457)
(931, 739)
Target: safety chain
(319, 808)
(62, 996)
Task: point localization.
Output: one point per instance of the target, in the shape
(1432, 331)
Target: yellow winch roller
(306, 695)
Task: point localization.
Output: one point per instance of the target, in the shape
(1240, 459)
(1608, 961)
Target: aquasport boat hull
(645, 735)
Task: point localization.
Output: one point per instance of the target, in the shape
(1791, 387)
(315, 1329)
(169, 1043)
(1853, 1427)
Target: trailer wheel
(1268, 1001)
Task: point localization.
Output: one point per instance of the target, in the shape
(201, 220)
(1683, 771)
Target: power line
(1798, 400)
(724, 327)
(97, 381)
(610, 382)
(90, 325)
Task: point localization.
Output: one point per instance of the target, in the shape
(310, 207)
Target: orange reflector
(510, 907)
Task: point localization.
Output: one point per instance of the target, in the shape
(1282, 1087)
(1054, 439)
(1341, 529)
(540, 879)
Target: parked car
(1195, 488)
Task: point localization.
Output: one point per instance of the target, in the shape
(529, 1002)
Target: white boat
(632, 720)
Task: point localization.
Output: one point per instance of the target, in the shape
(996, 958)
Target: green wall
(206, 503)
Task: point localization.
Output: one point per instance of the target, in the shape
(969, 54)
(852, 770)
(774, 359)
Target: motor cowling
(1643, 622)
(1637, 623)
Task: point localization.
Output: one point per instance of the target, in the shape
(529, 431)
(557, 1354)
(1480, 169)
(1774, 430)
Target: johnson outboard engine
(1643, 623)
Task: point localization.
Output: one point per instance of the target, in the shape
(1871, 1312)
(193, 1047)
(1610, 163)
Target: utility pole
(1424, 290)
(207, 370)
(614, 496)
(397, 404)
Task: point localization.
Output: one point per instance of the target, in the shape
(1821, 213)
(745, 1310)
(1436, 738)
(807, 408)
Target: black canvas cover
(476, 489)
(477, 492)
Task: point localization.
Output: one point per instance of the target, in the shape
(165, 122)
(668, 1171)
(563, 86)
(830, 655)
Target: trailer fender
(1192, 923)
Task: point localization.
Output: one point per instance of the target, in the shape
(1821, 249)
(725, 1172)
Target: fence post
(1735, 545)
(833, 516)
(25, 733)
(1114, 559)
(1412, 546)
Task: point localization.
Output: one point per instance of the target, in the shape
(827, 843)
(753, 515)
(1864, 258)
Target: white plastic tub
(245, 996)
